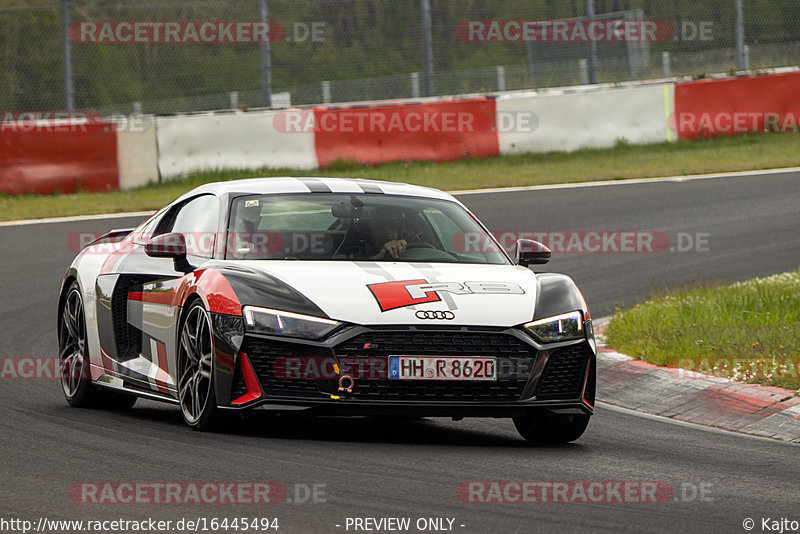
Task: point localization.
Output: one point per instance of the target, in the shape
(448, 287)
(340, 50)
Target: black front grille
(266, 358)
(514, 360)
(454, 342)
(564, 372)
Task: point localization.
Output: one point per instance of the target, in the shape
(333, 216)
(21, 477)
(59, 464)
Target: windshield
(356, 227)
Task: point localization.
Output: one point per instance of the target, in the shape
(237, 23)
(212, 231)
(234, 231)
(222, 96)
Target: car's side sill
(137, 392)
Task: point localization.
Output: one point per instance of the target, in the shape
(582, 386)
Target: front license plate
(437, 368)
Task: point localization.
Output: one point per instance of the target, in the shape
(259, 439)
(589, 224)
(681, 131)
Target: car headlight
(281, 323)
(562, 327)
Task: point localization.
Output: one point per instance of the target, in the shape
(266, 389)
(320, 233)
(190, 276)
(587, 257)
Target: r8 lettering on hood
(402, 293)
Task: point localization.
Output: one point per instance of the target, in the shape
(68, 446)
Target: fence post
(584, 69)
(501, 78)
(326, 92)
(234, 97)
(592, 45)
(746, 57)
(415, 85)
(66, 47)
(638, 49)
(531, 57)
(665, 64)
(741, 59)
(427, 46)
(266, 58)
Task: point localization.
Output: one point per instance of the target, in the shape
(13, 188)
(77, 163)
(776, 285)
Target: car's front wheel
(551, 430)
(73, 356)
(196, 370)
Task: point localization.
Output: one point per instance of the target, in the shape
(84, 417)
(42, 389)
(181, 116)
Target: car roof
(288, 184)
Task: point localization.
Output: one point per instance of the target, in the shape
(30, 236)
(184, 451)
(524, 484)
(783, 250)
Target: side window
(197, 220)
(444, 226)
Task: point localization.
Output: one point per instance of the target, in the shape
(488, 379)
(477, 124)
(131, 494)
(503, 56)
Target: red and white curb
(694, 397)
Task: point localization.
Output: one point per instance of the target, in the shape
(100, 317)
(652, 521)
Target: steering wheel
(418, 251)
(419, 244)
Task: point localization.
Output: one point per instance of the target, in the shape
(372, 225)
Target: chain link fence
(351, 50)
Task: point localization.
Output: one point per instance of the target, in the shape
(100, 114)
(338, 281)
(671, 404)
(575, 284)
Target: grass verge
(748, 331)
(739, 153)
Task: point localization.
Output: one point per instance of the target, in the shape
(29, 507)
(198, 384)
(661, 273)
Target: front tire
(557, 429)
(73, 356)
(196, 371)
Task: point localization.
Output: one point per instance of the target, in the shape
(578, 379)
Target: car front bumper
(298, 375)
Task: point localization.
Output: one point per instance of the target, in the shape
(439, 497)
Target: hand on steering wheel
(393, 248)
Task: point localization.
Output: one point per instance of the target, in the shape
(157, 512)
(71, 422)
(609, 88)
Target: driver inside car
(384, 237)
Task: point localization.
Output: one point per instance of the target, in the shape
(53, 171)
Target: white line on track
(27, 222)
(696, 426)
(632, 181)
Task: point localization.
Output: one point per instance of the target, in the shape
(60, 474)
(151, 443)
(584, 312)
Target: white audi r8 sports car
(329, 296)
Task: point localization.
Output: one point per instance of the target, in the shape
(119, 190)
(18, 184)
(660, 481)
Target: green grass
(748, 331)
(623, 161)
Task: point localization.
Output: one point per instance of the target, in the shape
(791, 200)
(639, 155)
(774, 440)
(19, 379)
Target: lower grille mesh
(263, 357)
(564, 372)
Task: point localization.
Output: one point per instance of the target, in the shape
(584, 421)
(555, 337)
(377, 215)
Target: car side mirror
(531, 252)
(169, 246)
(166, 246)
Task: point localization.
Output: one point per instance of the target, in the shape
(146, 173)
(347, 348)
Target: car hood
(374, 293)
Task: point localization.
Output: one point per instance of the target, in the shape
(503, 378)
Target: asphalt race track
(381, 468)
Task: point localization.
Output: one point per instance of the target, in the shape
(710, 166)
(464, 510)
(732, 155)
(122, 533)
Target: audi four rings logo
(431, 314)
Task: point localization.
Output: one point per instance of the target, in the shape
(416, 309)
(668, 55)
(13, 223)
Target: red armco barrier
(41, 159)
(731, 106)
(437, 131)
